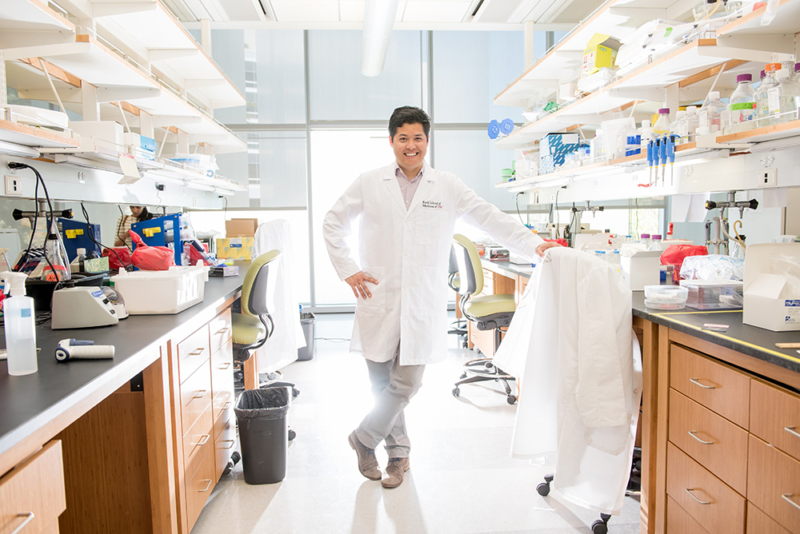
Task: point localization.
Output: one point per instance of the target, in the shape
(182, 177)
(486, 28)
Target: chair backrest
(470, 269)
(258, 288)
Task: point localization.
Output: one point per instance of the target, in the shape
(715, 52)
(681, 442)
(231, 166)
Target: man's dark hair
(409, 115)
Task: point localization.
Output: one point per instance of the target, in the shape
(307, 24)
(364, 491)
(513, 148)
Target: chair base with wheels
(488, 312)
(598, 527)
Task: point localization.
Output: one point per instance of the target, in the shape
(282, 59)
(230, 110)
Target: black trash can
(263, 433)
(307, 352)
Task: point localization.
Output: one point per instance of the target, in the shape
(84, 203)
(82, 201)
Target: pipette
(664, 143)
(671, 155)
(656, 148)
(650, 162)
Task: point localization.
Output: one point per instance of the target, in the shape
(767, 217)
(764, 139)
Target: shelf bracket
(115, 94)
(710, 141)
(766, 43)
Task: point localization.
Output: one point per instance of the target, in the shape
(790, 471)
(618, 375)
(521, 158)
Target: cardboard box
(241, 227)
(642, 269)
(235, 248)
(767, 303)
(601, 51)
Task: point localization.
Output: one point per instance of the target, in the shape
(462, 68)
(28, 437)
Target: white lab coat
(408, 252)
(571, 341)
(281, 349)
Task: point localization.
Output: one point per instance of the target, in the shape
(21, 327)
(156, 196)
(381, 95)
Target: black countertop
(30, 402)
(749, 340)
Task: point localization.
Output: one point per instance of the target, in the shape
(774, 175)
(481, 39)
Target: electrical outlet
(768, 178)
(13, 186)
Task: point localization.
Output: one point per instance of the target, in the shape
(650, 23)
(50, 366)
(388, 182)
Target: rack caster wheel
(456, 392)
(543, 489)
(465, 345)
(292, 434)
(463, 376)
(511, 399)
(599, 527)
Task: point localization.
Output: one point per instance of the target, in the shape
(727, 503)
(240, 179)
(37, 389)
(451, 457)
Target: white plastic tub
(161, 292)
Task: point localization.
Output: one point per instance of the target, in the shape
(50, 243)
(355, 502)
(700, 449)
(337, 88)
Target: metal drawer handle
(200, 394)
(788, 498)
(231, 441)
(203, 440)
(689, 491)
(224, 366)
(791, 430)
(207, 485)
(226, 405)
(222, 330)
(197, 352)
(30, 516)
(693, 432)
(695, 381)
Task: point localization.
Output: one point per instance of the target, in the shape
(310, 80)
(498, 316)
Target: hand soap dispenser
(20, 325)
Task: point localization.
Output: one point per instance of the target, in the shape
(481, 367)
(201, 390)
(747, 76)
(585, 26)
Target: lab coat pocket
(377, 303)
(429, 226)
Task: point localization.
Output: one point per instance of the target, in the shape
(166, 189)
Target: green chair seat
(490, 305)
(247, 329)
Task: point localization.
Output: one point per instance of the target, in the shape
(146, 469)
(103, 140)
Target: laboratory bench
(133, 444)
(720, 419)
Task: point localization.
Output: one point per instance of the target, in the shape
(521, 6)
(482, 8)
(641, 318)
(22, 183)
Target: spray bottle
(20, 325)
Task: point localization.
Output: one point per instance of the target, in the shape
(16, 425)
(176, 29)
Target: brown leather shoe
(367, 463)
(395, 470)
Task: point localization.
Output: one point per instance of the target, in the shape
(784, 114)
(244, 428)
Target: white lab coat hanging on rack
(571, 342)
(281, 349)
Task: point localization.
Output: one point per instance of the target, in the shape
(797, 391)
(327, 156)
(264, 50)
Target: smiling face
(410, 144)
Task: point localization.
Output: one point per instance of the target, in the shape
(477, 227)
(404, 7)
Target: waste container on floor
(263, 433)
(307, 352)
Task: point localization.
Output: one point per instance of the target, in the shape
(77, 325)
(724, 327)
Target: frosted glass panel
(365, 150)
(267, 66)
(234, 167)
(471, 156)
(470, 69)
(282, 170)
(340, 92)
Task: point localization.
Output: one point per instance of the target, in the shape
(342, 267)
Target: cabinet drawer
(197, 442)
(713, 441)
(760, 523)
(192, 352)
(222, 380)
(52, 528)
(195, 396)
(224, 445)
(715, 506)
(198, 489)
(221, 420)
(680, 522)
(714, 385)
(220, 330)
(36, 488)
(775, 417)
(488, 282)
(773, 484)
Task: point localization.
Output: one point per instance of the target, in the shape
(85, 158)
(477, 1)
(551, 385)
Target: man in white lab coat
(408, 211)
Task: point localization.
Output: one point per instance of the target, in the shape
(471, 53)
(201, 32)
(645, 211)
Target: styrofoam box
(161, 292)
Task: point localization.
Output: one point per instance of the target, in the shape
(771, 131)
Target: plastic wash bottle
(20, 326)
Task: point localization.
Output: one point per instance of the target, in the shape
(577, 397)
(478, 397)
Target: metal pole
(430, 92)
(308, 175)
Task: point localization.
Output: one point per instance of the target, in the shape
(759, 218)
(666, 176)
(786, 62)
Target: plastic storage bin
(307, 321)
(161, 292)
(263, 433)
(727, 295)
(665, 297)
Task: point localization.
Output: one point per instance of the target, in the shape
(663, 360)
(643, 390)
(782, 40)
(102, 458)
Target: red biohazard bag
(560, 241)
(150, 258)
(675, 254)
(118, 257)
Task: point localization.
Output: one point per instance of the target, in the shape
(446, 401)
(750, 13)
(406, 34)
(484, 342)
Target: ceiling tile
(306, 10)
(436, 11)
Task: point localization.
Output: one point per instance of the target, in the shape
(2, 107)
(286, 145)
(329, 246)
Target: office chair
(489, 312)
(459, 326)
(254, 326)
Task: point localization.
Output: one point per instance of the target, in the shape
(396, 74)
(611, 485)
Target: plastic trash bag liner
(712, 268)
(270, 403)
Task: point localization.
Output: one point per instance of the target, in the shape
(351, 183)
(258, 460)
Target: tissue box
(235, 248)
(767, 303)
(553, 148)
(641, 269)
(601, 51)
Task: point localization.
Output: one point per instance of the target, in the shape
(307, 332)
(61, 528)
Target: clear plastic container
(702, 295)
(706, 9)
(661, 127)
(692, 122)
(56, 267)
(743, 104)
(769, 81)
(646, 134)
(598, 146)
(645, 239)
(710, 115)
(665, 297)
(783, 98)
(678, 127)
(797, 72)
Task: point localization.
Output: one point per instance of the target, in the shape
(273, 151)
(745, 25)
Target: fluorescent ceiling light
(379, 18)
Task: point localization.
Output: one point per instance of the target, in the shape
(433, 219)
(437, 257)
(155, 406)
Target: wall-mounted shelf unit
(31, 136)
(27, 21)
(785, 24)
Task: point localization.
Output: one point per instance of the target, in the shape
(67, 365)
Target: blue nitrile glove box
(553, 148)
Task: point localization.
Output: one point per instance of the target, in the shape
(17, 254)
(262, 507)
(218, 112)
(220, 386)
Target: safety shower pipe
(379, 17)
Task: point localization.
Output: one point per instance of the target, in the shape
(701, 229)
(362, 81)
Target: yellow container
(600, 52)
(235, 248)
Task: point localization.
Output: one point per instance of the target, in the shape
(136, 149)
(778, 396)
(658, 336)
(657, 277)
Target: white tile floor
(461, 481)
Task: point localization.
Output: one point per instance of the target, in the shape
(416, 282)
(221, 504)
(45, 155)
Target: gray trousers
(393, 386)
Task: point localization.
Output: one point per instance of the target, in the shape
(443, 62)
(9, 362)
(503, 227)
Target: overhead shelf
(772, 132)
(31, 136)
(32, 15)
(153, 32)
(786, 22)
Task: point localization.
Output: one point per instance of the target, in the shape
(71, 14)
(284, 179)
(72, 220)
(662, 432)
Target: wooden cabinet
(205, 429)
(760, 523)
(680, 522)
(774, 484)
(33, 493)
(775, 416)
